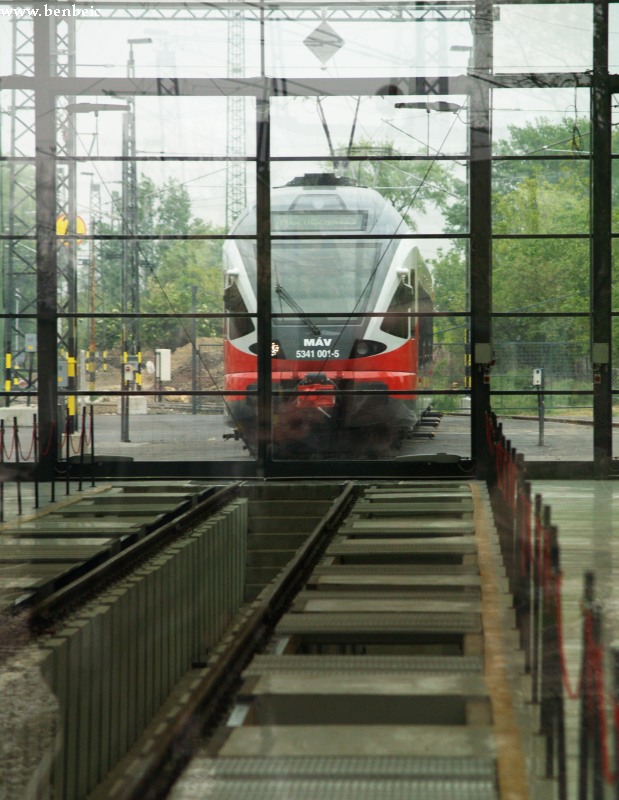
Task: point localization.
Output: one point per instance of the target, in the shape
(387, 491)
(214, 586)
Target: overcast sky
(527, 38)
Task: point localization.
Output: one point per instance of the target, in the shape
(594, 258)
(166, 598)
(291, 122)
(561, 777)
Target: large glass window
(375, 41)
(364, 279)
(188, 41)
(613, 54)
(541, 253)
(144, 209)
(543, 37)
(325, 276)
(165, 129)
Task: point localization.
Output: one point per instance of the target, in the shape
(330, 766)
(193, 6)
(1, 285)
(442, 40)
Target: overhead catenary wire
(379, 261)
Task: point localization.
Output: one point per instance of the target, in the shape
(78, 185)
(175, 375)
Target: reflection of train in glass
(314, 356)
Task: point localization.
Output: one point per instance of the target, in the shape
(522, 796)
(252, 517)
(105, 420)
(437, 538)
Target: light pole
(131, 362)
(94, 215)
(71, 109)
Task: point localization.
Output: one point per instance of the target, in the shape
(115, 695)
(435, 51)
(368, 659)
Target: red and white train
(331, 374)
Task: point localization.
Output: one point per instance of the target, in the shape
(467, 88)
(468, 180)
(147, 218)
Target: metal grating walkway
(380, 681)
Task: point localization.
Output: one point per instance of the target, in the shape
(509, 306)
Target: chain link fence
(542, 367)
(530, 367)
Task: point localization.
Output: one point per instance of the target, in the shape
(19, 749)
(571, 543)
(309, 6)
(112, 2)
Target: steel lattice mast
(19, 281)
(66, 193)
(236, 195)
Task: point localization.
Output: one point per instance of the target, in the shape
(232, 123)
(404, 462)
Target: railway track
(71, 549)
(99, 615)
(370, 667)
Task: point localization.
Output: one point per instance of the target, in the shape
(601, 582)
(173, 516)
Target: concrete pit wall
(113, 664)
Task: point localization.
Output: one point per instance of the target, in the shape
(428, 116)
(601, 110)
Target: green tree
(543, 137)
(162, 211)
(549, 198)
(170, 289)
(536, 198)
(167, 268)
(414, 188)
(17, 205)
(532, 198)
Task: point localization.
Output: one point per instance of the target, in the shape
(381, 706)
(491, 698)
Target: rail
(530, 548)
(194, 510)
(228, 661)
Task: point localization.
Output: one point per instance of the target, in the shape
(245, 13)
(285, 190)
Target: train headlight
(365, 347)
(277, 351)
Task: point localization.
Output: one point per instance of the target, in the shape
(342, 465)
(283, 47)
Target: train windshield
(324, 276)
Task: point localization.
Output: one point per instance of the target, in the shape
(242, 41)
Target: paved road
(559, 441)
(168, 437)
(174, 437)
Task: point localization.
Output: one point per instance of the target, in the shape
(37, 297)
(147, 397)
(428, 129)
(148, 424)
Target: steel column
(480, 205)
(263, 278)
(47, 281)
(601, 242)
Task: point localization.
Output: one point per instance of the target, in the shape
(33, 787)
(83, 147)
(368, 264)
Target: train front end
(343, 286)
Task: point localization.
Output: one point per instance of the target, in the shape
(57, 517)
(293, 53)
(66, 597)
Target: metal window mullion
(263, 278)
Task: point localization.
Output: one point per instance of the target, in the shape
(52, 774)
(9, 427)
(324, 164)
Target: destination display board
(307, 221)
